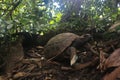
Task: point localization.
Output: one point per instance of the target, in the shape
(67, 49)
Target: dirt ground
(89, 66)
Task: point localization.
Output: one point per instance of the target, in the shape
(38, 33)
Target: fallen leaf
(113, 60)
(113, 75)
(102, 60)
(19, 74)
(3, 78)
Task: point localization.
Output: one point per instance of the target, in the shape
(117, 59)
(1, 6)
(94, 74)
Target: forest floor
(34, 66)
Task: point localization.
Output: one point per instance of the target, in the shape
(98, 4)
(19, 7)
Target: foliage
(39, 16)
(92, 13)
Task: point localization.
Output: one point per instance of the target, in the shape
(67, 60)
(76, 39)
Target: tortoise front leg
(73, 56)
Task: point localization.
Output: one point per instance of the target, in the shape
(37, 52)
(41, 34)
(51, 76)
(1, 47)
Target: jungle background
(39, 20)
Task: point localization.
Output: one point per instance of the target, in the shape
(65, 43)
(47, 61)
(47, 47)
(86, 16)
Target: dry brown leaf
(19, 74)
(24, 74)
(113, 75)
(66, 68)
(3, 78)
(113, 60)
(102, 60)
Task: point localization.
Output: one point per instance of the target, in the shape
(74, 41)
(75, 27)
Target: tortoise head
(80, 41)
(86, 37)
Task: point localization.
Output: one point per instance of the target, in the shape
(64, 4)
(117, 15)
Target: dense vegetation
(40, 16)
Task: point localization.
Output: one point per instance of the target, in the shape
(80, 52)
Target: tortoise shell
(56, 45)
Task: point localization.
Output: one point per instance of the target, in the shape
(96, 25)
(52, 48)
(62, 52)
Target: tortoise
(67, 43)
